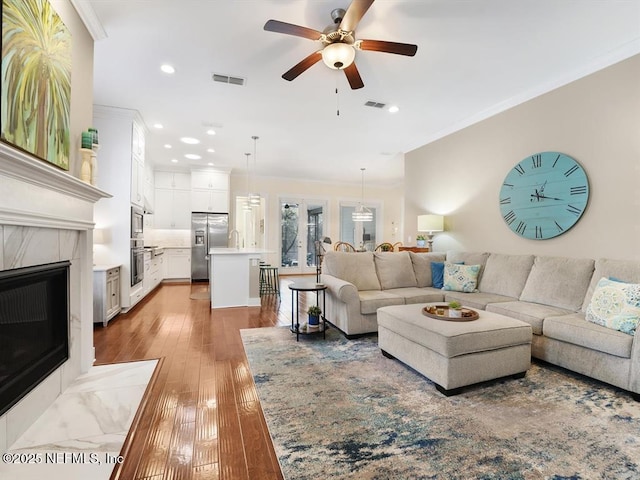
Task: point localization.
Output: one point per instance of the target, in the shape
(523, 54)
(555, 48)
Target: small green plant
(314, 311)
(421, 237)
(455, 305)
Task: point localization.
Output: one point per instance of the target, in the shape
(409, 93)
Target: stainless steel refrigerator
(208, 230)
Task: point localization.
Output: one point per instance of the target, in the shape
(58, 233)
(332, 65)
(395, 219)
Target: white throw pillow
(615, 305)
(460, 278)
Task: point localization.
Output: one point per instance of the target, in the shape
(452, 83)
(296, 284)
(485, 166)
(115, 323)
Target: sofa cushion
(372, 300)
(532, 313)
(422, 266)
(356, 268)
(615, 305)
(419, 295)
(476, 299)
(558, 281)
(576, 330)
(395, 270)
(506, 274)
(460, 278)
(625, 270)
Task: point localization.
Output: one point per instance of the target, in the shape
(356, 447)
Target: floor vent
(373, 104)
(217, 77)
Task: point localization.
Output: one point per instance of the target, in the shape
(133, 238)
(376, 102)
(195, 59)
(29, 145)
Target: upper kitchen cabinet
(172, 195)
(210, 191)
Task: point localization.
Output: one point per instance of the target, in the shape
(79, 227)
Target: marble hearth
(46, 215)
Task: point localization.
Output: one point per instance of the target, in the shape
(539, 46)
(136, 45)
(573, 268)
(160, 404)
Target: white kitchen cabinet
(172, 209)
(137, 181)
(177, 263)
(213, 201)
(152, 271)
(210, 191)
(173, 180)
(210, 179)
(120, 159)
(106, 293)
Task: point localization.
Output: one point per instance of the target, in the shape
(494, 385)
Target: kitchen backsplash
(167, 238)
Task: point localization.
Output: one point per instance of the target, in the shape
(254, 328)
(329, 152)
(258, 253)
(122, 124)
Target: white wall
(595, 120)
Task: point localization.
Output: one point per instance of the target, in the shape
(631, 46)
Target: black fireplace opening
(34, 327)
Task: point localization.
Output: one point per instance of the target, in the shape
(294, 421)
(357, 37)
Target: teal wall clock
(544, 195)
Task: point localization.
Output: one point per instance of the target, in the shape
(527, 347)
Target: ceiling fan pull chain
(337, 99)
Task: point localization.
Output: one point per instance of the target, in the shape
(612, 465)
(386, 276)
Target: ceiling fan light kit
(339, 47)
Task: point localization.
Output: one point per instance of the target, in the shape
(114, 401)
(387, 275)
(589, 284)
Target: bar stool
(269, 280)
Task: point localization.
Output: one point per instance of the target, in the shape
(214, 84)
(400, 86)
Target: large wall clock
(544, 195)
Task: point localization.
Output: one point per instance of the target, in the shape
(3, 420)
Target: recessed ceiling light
(166, 145)
(192, 156)
(210, 164)
(190, 140)
(173, 160)
(211, 150)
(393, 109)
(158, 125)
(211, 131)
(166, 68)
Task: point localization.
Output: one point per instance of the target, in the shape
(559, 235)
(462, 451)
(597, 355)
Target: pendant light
(247, 202)
(254, 198)
(362, 213)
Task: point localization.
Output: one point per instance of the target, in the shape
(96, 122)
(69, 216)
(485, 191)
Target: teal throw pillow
(437, 274)
(460, 278)
(615, 305)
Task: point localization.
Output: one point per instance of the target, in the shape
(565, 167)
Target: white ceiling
(475, 58)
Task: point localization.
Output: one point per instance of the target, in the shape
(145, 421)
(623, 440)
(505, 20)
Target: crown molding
(90, 19)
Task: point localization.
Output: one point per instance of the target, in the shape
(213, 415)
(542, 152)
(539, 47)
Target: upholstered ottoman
(455, 354)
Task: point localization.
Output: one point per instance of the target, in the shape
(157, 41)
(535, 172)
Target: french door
(301, 227)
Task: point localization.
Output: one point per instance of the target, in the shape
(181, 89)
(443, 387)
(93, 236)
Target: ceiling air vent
(373, 104)
(218, 77)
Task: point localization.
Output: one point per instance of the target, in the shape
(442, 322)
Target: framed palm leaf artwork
(36, 80)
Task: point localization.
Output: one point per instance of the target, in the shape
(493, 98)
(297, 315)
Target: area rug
(338, 409)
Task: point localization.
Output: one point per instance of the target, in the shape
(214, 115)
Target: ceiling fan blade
(291, 29)
(354, 14)
(353, 76)
(389, 47)
(304, 65)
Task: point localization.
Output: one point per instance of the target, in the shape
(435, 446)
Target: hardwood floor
(201, 418)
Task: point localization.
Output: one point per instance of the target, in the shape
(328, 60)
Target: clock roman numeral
(505, 201)
(537, 160)
(581, 190)
(508, 185)
(509, 217)
(559, 227)
(571, 170)
(518, 168)
(555, 161)
(538, 232)
(521, 228)
(574, 210)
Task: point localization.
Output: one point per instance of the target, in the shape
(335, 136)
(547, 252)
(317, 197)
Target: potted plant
(314, 313)
(455, 309)
(420, 240)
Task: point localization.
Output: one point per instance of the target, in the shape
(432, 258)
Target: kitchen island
(234, 279)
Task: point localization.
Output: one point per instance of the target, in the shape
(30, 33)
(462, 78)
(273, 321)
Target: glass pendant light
(362, 213)
(254, 198)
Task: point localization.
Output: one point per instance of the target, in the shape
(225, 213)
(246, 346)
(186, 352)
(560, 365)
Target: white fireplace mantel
(46, 215)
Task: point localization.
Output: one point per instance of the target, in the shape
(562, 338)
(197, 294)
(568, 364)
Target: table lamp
(430, 224)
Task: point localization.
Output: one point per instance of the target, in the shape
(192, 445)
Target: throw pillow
(460, 278)
(615, 305)
(437, 274)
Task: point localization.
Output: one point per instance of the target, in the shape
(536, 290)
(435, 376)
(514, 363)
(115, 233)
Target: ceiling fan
(339, 44)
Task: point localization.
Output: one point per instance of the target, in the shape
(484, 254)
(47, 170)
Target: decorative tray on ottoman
(441, 312)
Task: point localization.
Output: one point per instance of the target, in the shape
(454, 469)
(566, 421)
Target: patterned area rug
(338, 409)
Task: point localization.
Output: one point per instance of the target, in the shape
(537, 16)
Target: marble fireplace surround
(46, 215)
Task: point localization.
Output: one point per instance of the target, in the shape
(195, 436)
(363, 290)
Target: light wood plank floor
(202, 418)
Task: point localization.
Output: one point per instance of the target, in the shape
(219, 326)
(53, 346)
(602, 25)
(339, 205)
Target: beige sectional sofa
(549, 293)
